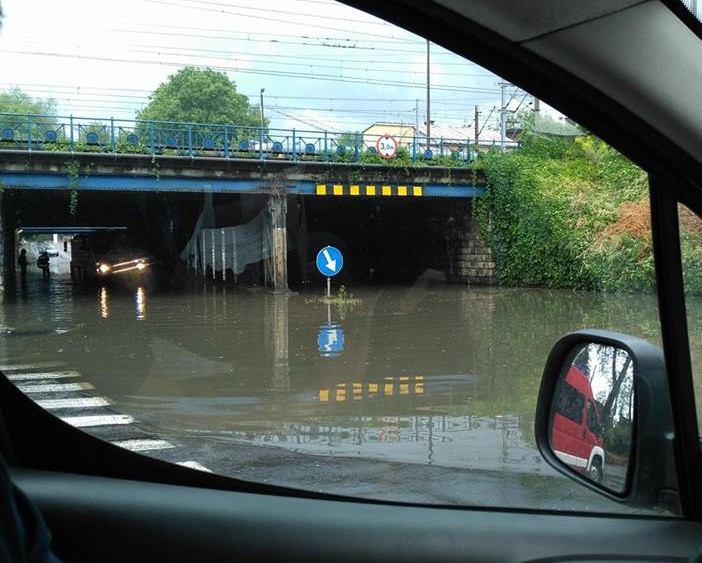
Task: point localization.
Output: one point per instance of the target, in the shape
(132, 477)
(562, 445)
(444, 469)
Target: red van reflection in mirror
(576, 433)
(592, 414)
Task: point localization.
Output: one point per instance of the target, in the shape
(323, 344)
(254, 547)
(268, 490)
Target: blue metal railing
(123, 136)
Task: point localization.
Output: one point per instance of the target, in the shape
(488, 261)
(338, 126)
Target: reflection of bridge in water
(484, 443)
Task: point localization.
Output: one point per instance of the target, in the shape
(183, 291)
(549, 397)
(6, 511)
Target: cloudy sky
(322, 65)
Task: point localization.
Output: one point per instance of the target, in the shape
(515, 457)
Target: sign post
(330, 340)
(329, 263)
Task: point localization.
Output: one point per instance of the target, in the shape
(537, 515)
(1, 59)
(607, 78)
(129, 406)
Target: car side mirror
(604, 419)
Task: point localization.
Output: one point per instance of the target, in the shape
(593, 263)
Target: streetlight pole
(263, 123)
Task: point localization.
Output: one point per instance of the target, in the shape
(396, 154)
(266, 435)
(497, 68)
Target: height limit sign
(386, 146)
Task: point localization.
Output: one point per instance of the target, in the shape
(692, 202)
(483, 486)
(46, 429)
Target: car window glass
(690, 249)
(593, 422)
(284, 253)
(570, 402)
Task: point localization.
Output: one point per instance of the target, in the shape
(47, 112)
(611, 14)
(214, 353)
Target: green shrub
(546, 206)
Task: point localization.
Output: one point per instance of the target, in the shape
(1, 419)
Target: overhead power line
(259, 17)
(307, 76)
(286, 12)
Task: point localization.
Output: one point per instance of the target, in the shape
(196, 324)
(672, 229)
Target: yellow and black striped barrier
(369, 190)
(390, 387)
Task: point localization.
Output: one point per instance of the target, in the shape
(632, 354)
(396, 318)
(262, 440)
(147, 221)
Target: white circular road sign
(386, 146)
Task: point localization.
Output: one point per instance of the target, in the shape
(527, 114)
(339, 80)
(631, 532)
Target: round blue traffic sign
(329, 261)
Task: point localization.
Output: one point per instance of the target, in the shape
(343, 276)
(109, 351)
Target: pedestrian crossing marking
(77, 403)
(42, 375)
(143, 445)
(98, 420)
(194, 465)
(55, 387)
(38, 365)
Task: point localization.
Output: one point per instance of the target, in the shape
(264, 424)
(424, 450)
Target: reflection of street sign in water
(329, 261)
(330, 340)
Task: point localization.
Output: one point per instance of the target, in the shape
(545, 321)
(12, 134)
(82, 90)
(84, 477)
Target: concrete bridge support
(277, 263)
(7, 244)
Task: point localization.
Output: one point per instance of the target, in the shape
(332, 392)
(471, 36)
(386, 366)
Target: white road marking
(194, 465)
(80, 403)
(143, 445)
(55, 387)
(87, 421)
(42, 375)
(38, 365)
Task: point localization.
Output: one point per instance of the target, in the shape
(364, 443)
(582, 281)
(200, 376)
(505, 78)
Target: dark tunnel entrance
(384, 240)
(389, 240)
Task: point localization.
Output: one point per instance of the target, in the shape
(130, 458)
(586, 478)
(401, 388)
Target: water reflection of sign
(329, 261)
(390, 431)
(330, 340)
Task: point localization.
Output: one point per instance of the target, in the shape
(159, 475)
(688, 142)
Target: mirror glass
(592, 415)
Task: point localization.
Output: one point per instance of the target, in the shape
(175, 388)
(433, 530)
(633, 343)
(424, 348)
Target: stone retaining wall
(469, 257)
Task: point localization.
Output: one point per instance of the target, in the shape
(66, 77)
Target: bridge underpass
(366, 211)
(384, 240)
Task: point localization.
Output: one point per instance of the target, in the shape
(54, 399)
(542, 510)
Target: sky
(322, 65)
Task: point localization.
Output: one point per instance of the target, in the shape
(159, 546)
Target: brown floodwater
(432, 374)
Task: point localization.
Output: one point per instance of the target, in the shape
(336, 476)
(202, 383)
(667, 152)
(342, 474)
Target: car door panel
(109, 520)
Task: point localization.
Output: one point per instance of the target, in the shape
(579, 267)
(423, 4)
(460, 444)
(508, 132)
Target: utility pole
(475, 122)
(428, 100)
(263, 123)
(416, 128)
(503, 115)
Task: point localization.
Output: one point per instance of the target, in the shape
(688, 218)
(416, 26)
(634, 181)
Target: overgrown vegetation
(570, 212)
(342, 297)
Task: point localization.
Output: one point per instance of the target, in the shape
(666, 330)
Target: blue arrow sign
(329, 261)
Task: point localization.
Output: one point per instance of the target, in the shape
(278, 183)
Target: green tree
(16, 101)
(350, 139)
(21, 126)
(195, 95)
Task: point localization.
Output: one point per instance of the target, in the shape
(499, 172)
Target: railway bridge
(220, 205)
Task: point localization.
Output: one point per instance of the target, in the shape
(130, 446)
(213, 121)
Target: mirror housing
(651, 480)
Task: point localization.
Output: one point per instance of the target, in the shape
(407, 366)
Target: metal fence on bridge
(84, 134)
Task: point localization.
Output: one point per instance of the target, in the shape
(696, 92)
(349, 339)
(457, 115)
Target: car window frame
(666, 192)
(667, 189)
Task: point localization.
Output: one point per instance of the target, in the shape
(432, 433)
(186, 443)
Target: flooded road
(435, 379)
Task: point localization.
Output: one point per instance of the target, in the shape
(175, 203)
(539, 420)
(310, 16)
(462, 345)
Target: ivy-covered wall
(567, 212)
